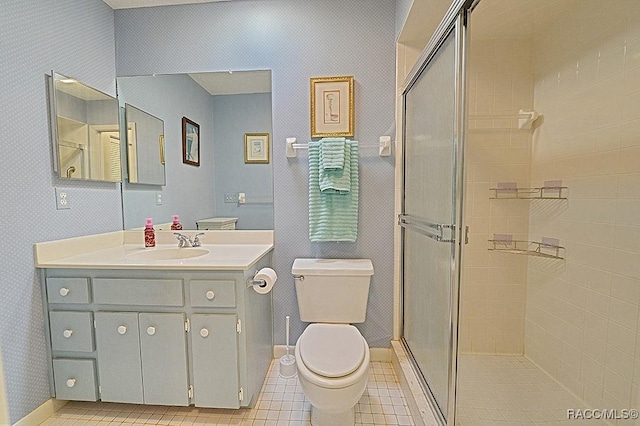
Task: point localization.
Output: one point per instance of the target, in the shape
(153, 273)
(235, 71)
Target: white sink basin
(169, 253)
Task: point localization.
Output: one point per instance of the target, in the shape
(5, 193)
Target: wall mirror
(226, 106)
(85, 131)
(145, 147)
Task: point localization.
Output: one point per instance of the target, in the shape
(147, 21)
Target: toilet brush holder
(287, 362)
(288, 366)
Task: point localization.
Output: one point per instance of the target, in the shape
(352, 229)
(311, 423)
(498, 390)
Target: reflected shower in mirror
(226, 106)
(85, 131)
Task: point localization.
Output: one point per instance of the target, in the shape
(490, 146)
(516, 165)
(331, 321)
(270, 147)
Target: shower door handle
(442, 233)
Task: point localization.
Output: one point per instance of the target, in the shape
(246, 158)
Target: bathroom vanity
(163, 325)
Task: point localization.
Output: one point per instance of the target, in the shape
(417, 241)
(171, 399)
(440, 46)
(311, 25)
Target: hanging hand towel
(333, 216)
(332, 152)
(338, 180)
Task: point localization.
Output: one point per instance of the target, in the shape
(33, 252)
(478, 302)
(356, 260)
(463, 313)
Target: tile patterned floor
(281, 402)
(510, 390)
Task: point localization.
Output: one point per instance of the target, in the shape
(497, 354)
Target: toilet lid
(332, 350)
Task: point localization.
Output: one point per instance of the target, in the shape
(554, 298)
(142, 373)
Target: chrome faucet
(185, 241)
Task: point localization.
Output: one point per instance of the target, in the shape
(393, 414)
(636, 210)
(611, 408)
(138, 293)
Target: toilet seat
(332, 350)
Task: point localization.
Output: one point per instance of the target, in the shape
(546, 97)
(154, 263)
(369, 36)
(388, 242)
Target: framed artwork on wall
(190, 142)
(332, 106)
(256, 148)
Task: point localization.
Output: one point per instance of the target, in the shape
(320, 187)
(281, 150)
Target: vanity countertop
(220, 250)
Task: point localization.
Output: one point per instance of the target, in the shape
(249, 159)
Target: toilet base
(323, 418)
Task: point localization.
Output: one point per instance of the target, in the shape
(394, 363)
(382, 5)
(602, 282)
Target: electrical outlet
(158, 198)
(231, 198)
(62, 199)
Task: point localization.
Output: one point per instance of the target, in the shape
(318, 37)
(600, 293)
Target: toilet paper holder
(253, 282)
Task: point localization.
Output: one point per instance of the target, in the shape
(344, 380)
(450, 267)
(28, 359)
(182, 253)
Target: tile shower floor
(510, 390)
(281, 402)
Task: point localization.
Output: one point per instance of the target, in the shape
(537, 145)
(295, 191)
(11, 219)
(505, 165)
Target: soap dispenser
(149, 234)
(176, 225)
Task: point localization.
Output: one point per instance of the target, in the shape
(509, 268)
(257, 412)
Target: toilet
(332, 357)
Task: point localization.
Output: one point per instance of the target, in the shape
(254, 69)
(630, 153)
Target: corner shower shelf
(529, 248)
(525, 118)
(541, 193)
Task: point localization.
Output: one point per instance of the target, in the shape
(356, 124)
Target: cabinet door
(118, 348)
(214, 342)
(164, 358)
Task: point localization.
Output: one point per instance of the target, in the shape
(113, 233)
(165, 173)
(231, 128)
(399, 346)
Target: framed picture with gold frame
(332, 106)
(256, 148)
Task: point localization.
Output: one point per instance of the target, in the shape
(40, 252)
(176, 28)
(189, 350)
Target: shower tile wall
(582, 315)
(493, 294)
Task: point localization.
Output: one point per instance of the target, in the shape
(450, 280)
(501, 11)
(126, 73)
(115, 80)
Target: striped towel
(336, 180)
(333, 216)
(332, 151)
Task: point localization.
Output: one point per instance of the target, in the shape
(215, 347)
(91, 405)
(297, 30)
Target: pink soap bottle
(176, 225)
(149, 234)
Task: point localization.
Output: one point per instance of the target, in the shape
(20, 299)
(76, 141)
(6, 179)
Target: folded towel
(333, 216)
(332, 153)
(336, 180)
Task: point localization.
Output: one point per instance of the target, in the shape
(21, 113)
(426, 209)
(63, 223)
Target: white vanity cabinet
(165, 337)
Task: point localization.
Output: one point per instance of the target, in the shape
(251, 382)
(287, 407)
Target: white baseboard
(41, 413)
(377, 354)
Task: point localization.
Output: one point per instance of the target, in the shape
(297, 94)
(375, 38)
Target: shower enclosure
(432, 211)
(521, 213)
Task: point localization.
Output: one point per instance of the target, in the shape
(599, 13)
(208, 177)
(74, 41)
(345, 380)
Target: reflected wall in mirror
(85, 131)
(145, 147)
(226, 106)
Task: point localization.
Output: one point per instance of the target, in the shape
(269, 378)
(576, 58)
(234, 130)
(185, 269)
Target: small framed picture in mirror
(256, 148)
(190, 142)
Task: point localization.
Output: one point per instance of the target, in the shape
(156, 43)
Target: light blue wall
(233, 116)
(75, 38)
(297, 40)
(189, 189)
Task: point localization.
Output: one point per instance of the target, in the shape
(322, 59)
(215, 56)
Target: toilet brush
(287, 362)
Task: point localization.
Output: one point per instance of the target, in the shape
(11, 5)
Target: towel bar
(384, 146)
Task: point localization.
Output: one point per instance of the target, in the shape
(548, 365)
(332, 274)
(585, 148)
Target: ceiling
(234, 82)
(128, 4)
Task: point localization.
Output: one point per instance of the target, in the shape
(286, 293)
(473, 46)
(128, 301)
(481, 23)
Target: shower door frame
(456, 21)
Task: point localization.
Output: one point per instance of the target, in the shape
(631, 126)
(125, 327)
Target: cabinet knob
(64, 291)
(67, 333)
(71, 383)
(151, 331)
(210, 295)
(122, 329)
(204, 332)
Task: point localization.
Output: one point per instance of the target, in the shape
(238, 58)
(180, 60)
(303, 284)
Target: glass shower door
(431, 215)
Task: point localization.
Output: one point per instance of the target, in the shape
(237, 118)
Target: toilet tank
(332, 290)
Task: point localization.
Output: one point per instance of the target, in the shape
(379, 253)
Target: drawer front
(129, 291)
(68, 290)
(71, 331)
(75, 379)
(212, 293)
